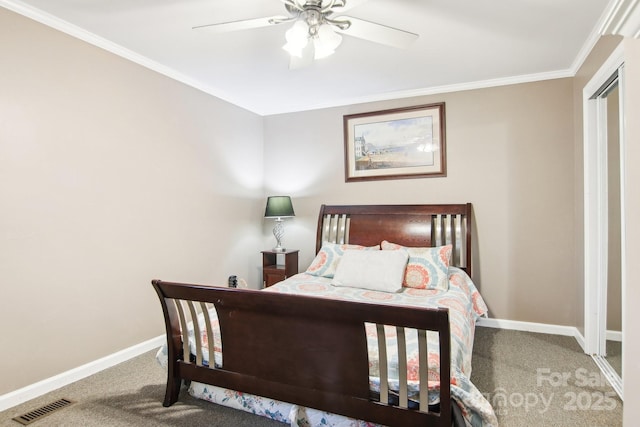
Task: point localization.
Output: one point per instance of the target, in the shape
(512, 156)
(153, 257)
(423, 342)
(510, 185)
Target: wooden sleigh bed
(312, 351)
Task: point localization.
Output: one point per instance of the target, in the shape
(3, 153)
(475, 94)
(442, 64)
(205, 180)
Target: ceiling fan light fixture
(326, 41)
(320, 50)
(297, 38)
(294, 50)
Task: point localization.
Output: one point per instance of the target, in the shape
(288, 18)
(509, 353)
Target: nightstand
(272, 269)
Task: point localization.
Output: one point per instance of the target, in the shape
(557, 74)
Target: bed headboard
(407, 225)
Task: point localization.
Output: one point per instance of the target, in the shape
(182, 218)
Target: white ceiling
(462, 44)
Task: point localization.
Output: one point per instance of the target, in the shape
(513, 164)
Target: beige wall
(110, 175)
(509, 152)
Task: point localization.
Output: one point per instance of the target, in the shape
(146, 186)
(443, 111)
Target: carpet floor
(531, 380)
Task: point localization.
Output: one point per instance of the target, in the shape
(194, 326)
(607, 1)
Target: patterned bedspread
(465, 306)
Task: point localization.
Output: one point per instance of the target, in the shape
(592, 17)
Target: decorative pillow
(428, 268)
(374, 270)
(327, 259)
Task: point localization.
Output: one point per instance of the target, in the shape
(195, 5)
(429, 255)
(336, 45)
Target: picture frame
(396, 144)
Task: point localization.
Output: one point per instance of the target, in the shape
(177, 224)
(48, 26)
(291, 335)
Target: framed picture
(394, 144)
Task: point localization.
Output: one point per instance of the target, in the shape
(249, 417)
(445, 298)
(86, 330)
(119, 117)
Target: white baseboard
(544, 328)
(32, 391)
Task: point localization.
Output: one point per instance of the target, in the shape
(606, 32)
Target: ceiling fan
(314, 33)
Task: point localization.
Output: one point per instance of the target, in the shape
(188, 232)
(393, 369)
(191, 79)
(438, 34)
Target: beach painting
(393, 144)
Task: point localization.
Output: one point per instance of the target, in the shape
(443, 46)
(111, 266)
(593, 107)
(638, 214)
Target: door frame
(595, 209)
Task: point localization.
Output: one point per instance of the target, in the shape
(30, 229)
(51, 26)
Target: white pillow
(374, 270)
(327, 260)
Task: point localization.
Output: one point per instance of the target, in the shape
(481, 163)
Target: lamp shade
(279, 207)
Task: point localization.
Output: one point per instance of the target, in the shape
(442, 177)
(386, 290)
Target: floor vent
(35, 415)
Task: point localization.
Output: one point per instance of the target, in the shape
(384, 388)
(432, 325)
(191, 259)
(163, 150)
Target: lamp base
(278, 232)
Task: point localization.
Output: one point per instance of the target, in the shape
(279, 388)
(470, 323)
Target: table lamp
(279, 207)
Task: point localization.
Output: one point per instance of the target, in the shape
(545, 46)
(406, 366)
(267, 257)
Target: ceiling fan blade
(378, 33)
(245, 24)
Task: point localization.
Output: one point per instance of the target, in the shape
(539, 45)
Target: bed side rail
(299, 349)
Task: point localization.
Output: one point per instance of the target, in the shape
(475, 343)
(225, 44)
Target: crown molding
(434, 90)
(621, 15)
(68, 28)
(623, 19)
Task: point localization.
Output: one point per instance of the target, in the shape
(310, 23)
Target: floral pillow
(428, 268)
(327, 259)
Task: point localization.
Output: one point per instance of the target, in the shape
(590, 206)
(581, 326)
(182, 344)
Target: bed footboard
(302, 350)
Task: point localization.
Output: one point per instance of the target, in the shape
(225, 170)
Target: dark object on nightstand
(233, 281)
(272, 272)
